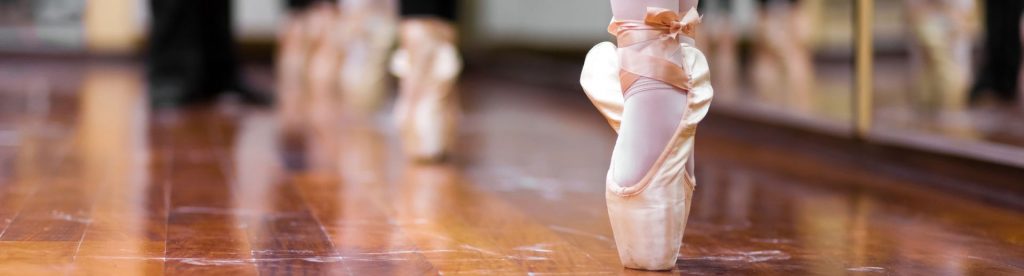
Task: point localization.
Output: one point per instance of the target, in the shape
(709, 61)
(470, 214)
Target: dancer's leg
(685, 5)
(652, 114)
(1020, 80)
(367, 32)
(174, 66)
(443, 9)
(636, 9)
(1002, 54)
(427, 64)
(648, 221)
(220, 55)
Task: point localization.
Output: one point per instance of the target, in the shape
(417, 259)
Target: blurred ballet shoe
(648, 218)
(369, 32)
(783, 68)
(300, 58)
(326, 52)
(290, 68)
(943, 43)
(427, 110)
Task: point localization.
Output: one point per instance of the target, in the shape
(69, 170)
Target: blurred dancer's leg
(175, 65)
(218, 46)
(1020, 80)
(221, 55)
(942, 40)
(784, 69)
(719, 38)
(367, 35)
(293, 54)
(192, 53)
(323, 27)
(1002, 56)
(428, 65)
(444, 9)
(298, 5)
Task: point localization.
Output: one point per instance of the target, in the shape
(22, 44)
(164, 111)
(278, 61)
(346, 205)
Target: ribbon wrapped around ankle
(646, 47)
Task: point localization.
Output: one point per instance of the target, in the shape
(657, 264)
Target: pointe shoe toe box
(648, 236)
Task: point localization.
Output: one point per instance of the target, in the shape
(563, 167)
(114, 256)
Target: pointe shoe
(319, 99)
(290, 68)
(648, 218)
(369, 33)
(427, 65)
(943, 80)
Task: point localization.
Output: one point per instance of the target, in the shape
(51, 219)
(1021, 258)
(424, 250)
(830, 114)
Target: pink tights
(652, 112)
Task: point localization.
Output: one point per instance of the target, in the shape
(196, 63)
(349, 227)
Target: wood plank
(360, 228)
(472, 231)
(205, 233)
(283, 234)
(36, 257)
(127, 226)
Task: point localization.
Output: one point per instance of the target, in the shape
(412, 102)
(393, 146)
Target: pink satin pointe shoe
(290, 68)
(319, 98)
(368, 29)
(427, 65)
(648, 218)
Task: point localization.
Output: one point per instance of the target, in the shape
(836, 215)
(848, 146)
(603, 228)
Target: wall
(537, 23)
(487, 23)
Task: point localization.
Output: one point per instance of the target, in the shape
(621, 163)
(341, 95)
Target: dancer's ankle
(652, 114)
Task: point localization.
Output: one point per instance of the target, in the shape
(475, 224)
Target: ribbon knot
(646, 47)
(670, 20)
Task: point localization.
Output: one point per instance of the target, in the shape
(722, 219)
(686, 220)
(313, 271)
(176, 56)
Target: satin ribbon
(645, 47)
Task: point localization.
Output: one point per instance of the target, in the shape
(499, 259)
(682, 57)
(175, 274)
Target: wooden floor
(91, 183)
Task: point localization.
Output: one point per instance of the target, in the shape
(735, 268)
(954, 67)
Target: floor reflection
(427, 195)
(114, 153)
(766, 218)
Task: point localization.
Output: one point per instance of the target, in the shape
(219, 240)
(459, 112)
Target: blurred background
(939, 84)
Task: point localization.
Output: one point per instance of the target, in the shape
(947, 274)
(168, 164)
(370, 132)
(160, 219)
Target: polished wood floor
(92, 183)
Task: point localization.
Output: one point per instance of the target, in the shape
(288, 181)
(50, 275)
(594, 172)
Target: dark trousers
(445, 9)
(192, 52)
(298, 5)
(1002, 57)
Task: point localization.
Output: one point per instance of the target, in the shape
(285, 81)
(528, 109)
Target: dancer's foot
(290, 66)
(427, 64)
(648, 215)
(325, 55)
(368, 28)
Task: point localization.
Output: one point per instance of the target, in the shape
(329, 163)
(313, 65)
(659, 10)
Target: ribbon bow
(645, 47)
(665, 18)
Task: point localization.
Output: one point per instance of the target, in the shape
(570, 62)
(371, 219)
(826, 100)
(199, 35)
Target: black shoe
(167, 95)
